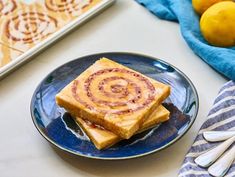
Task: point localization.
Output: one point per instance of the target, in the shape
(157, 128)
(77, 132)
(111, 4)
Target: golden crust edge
(116, 139)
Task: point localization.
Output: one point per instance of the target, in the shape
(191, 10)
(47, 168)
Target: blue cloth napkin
(221, 117)
(181, 11)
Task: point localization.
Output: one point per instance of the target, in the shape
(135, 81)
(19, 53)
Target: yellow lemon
(218, 24)
(201, 6)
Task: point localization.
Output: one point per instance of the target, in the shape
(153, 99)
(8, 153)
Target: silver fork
(222, 165)
(209, 157)
(214, 136)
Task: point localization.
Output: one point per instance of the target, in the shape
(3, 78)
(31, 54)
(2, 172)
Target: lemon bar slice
(103, 138)
(113, 96)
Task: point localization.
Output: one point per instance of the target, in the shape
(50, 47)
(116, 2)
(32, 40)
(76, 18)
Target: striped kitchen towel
(220, 117)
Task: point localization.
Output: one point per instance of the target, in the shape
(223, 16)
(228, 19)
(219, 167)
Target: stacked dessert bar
(112, 102)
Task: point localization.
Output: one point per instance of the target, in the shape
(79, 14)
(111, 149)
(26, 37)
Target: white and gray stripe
(220, 117)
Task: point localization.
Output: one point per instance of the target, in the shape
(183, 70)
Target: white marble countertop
(126, 26)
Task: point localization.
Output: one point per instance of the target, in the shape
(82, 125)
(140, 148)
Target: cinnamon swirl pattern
(116, 91)
(25, 24)
(7, 6)
(30, 27)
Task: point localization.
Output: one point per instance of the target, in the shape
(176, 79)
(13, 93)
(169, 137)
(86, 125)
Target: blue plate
(58, 127)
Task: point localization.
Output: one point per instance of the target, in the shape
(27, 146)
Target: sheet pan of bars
(28, 26)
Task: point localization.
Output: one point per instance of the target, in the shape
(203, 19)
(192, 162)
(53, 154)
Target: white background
(128, 27)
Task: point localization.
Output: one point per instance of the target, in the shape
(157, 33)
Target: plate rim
(125, 157)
